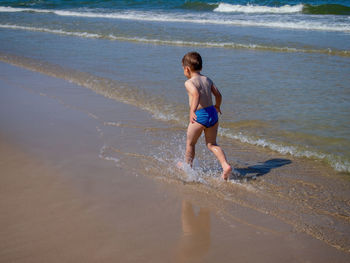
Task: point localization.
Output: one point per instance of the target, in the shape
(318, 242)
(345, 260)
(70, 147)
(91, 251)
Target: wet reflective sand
(74, 188)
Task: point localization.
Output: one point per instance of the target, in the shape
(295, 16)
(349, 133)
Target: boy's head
(192, 60)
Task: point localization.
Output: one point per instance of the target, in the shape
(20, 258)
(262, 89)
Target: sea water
(282, 67)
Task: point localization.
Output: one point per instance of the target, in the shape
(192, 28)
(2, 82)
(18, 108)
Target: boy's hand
(218, 109)
(193, 117)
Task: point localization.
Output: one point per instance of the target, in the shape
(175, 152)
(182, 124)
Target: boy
(203, 114)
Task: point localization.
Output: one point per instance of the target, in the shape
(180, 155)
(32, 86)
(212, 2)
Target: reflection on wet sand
(195, 240)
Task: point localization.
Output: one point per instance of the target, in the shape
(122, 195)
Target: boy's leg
(210, 139)
(194, 131)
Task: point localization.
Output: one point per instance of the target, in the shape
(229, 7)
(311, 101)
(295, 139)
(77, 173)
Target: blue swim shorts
(208, 116)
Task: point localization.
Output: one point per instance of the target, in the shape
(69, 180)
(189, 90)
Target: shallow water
(80, 170)
(304, 194)
(283, 72)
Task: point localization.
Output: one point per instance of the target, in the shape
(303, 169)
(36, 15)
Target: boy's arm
(194, 100)
(218, 97)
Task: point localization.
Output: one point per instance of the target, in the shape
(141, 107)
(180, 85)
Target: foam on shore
(192, 18)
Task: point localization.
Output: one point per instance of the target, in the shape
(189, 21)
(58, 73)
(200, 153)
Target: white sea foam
(338, 164)
(54, 31)
(15, 9)
(112, 123)
(286, 9)
(198, 19)
(178, 42)
(103, 155)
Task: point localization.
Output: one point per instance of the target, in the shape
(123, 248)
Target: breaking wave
(192, 18)
(335, 162)
(323, 9)
(180, 42)
(286, 9)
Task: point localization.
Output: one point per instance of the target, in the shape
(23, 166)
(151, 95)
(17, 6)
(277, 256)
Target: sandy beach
(67, 197)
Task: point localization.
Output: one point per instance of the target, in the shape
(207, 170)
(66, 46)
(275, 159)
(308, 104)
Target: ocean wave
(335, 162)
(197, 19)
(232, 45)
(286, 9)
(53, 31)
(9, 9)
(323, 9)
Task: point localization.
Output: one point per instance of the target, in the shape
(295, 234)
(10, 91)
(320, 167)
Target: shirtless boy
(203, 114)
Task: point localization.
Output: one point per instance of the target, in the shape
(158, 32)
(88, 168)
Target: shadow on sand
(253, 171)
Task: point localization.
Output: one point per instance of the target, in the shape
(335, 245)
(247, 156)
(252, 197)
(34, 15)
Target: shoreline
(76, 197)
(125, 93)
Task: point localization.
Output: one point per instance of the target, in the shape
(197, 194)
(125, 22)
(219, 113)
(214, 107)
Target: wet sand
(64, 199)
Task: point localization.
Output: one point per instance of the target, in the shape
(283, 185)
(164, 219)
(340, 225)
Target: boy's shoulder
(198, 81)
(196, 78)
(208, 79)
(205, 80)
(188, 82)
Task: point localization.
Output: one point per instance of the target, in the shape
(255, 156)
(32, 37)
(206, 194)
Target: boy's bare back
(204, 87)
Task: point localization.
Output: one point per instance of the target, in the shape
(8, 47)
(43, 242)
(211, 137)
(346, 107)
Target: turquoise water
(282, 66)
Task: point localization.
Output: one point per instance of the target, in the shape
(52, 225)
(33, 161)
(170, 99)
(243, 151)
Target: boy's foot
(226, 172)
